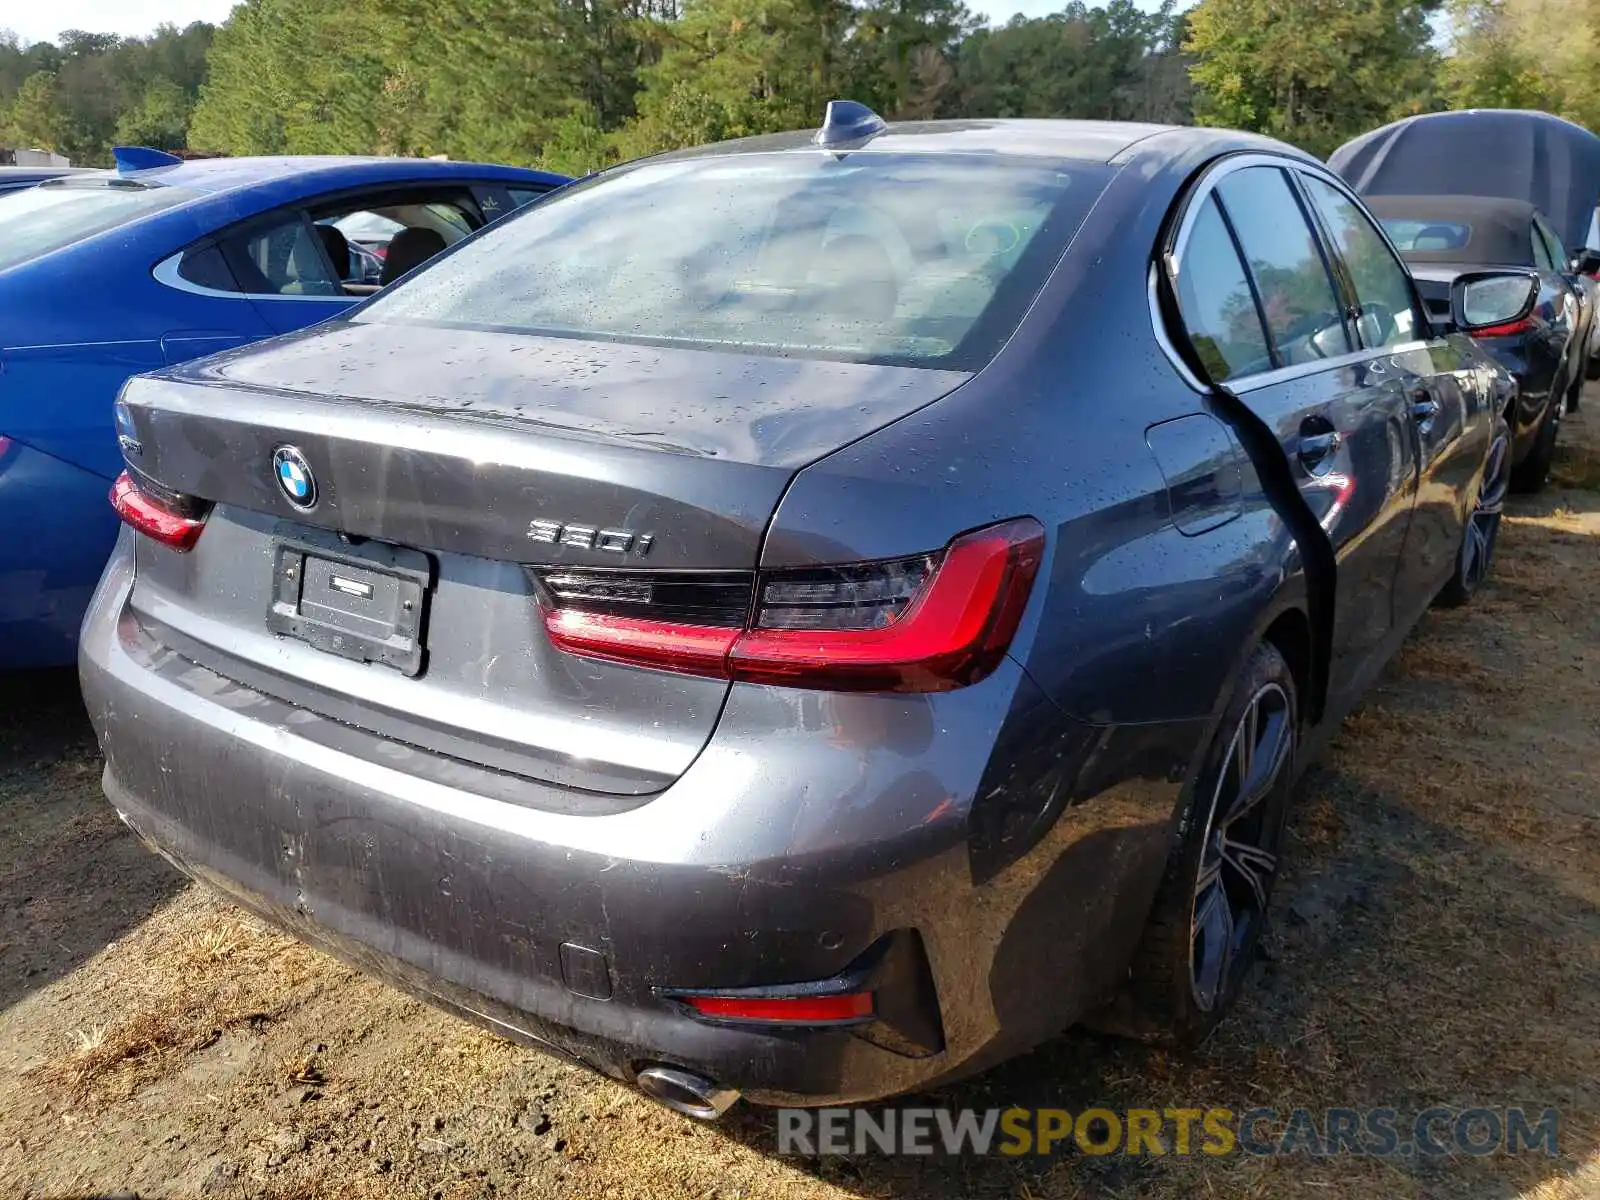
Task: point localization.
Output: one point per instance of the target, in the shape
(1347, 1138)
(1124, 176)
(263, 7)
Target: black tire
(1531, 474)
(1175, 994)
(1475, 558)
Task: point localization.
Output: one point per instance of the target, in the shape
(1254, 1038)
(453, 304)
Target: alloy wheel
(1238, 856)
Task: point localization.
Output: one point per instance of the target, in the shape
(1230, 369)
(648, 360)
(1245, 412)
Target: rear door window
(36, 220)
(281, 259)
(330, 250)
(358, 233)
(1219, 310)
(1384, 296)
(1299, 300)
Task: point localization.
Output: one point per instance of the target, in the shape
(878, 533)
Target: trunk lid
(446, 463)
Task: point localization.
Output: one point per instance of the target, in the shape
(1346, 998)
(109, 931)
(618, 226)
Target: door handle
(1314, 448)
(1424, 407)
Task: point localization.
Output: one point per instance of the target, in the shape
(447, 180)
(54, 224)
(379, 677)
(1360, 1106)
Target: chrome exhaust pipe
(685, 1092)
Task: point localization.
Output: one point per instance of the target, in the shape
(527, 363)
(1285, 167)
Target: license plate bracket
(365, 601)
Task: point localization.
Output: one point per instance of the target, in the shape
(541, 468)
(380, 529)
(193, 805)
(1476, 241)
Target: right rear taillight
(924, 623)
(167, 519)
(1509, 329)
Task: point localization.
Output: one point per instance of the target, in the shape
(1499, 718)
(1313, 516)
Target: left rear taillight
(924, 623)
(172, 520)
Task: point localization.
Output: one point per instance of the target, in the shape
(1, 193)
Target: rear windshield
(1410, 234)
(37, 220)
(915, 260)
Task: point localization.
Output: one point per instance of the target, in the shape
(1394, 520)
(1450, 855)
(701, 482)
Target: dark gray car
(1441, 237)
(808, 617)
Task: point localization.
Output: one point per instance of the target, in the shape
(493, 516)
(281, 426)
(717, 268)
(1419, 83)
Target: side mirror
(1586, 262)
(1483, 299)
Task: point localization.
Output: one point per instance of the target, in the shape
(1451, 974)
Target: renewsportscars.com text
(1217, 1132)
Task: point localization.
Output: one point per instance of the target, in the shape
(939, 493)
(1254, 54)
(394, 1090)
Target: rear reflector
(784, 1010)
(1509, 329)
(693, 649)
(154, 517)
(928, 623)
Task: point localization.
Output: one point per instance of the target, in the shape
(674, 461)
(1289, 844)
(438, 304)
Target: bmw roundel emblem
(295, 480)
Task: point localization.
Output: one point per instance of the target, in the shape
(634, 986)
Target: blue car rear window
(924, 260)
(40, 219)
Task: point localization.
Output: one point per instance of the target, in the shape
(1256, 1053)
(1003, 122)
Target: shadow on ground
(72, 878)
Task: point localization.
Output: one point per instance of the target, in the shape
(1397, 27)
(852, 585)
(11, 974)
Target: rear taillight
(167, 519)
(925, 623)
(1509, 329)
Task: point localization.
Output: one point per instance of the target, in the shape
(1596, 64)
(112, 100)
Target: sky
(43, 20)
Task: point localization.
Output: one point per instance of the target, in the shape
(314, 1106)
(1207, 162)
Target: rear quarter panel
(1131, 619)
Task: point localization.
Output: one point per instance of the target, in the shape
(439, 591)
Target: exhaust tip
(685, 1092)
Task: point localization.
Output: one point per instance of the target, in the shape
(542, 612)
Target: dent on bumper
(811, 827)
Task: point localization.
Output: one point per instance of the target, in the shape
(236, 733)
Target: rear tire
(1209, 913)
(1475, 558)
(1531, 474)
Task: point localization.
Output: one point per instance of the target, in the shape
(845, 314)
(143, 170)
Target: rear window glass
(919, 260)
(37, 220)
(1409, 234)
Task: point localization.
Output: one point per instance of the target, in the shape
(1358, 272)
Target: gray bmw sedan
(805, 618)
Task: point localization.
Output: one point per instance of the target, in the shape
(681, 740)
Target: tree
(732, 68)
(1506, 57)
(97, 88)
(901, 51)
(161, 120)
(1313, 72)
(33, 119)
(1115, 62)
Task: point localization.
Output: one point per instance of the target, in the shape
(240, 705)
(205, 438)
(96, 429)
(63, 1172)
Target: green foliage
(576, 146)
(93, 89)
(1112, 63)
(33, 119)
(1542, 54)
(732, 68)
(161, 119)
(575, 85)
(1312, 72)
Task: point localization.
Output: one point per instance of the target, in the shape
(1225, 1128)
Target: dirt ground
(1436, 942)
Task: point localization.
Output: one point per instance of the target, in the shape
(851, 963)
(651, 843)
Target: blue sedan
(107, 274)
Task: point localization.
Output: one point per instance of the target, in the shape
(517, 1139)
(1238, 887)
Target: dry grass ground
(1438, 942)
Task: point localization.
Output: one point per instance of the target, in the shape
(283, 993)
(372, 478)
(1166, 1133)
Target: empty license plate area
(366, 601)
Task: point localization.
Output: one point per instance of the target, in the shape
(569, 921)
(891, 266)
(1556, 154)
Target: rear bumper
(804, 836)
